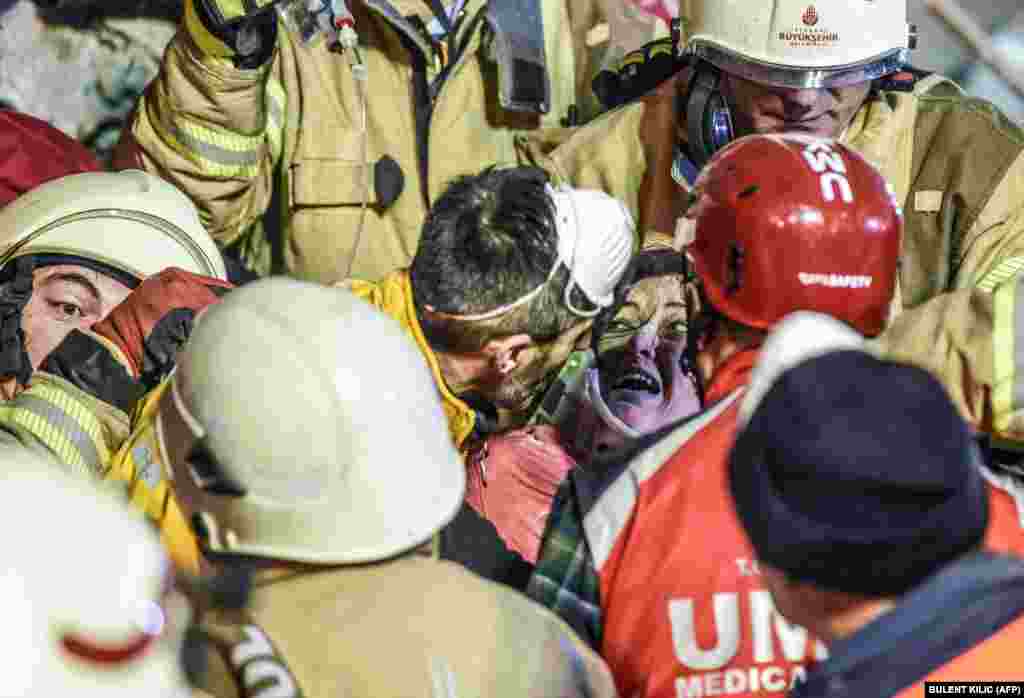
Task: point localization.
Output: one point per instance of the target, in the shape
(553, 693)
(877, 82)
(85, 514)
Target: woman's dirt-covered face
(644, 380)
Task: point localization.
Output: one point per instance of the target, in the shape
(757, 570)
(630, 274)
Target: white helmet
(303, 424)
(131, 222)
(801, 43)
(84, 592)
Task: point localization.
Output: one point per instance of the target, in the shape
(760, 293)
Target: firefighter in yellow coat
(348, 141)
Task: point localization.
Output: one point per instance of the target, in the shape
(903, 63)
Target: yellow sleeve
(80, 432)
(213, 130)
(969, 336)
(139, 465)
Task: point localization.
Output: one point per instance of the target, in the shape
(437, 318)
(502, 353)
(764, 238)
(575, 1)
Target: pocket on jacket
(331, 182)
(326, 210)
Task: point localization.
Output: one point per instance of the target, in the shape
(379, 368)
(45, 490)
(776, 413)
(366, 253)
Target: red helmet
(791, 222)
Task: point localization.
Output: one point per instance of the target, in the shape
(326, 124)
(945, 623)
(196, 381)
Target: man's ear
(503, 352)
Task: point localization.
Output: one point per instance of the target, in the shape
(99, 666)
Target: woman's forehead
(658, 290)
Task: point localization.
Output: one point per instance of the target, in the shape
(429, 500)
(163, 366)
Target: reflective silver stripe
(1018, 344)
(798, 77)
(226, 162)
(67, 427)
(613, 510)
(276, 101)
(1006, 270)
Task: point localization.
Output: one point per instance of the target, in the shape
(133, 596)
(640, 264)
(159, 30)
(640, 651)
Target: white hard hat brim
(799, 77)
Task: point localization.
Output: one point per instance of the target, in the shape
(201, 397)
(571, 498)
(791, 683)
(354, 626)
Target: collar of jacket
(923, 633)
(398, 286)
(397, 16)
(732, 374)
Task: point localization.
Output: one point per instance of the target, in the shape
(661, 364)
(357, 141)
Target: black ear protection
(708, 119)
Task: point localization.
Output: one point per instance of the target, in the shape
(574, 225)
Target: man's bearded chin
(518, 398)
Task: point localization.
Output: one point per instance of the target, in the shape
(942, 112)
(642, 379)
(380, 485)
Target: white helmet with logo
(133, 223)
(801, 43)
(87, 608)
(303, 424)
(797, 44)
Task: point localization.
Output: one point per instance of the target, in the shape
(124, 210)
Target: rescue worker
(508, 275)
(642, 554)
(836, 69)
(345, 539)
(73, 248)
(351, 138)
(635, 379)
(888, 565)
(505, 282)
(89, 407)
(88, 607)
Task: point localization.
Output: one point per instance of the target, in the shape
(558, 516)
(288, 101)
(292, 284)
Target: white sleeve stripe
(603, 524)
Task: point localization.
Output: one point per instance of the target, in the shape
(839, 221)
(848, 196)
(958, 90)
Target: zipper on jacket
(425, 91)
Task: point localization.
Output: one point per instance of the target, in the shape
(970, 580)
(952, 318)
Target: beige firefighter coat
(957, 165)
(414, 627)
(232, 138)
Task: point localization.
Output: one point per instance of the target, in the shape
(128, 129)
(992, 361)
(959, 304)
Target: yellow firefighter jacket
(305, 129)
(393, 296)
(957, 165)
(413, 626)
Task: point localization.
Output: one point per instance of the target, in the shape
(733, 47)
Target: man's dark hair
(489, 240)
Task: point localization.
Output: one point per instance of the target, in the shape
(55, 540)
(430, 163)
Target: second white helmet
(302, 424)
(132, 222)
(801, 43)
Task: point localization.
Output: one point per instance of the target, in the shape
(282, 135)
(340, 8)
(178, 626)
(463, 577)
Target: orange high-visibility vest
(685, 610)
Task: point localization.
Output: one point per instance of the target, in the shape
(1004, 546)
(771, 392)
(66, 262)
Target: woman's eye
(676, 329)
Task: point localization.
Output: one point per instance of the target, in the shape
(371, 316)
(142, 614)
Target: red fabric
(659, 8)
(685, 609)
(511, 481)
(33, 152)
(1005, 532)
(130, 324)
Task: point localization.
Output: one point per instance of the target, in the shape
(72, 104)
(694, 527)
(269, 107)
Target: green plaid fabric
(564, 578)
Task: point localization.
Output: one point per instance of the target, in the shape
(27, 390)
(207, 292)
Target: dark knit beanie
(858, 475)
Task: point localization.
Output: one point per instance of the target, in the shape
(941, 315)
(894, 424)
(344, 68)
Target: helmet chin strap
(602, 409)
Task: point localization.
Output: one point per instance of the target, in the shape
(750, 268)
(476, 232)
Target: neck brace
(603, 411)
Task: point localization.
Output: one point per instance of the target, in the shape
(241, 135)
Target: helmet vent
(734, 272)
(749, 191)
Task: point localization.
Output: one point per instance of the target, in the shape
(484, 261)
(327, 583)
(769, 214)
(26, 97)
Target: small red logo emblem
(810, 16)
